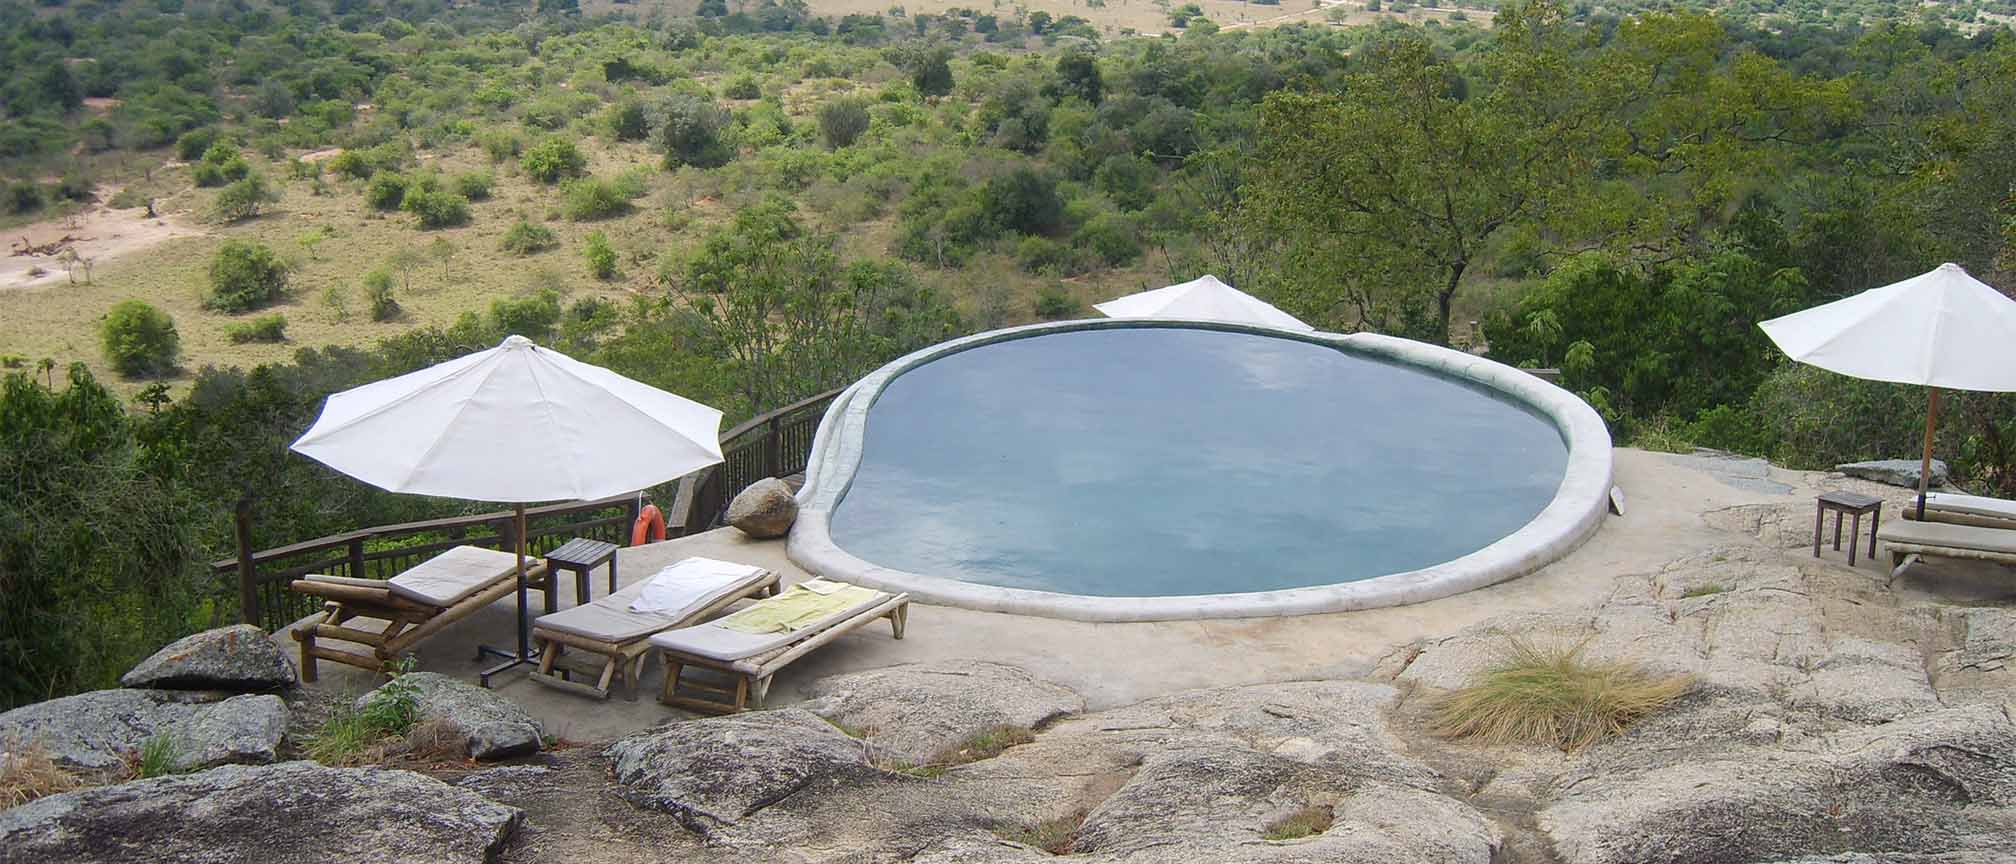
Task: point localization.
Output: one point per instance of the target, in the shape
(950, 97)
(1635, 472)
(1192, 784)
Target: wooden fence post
(357, 559)
(248, 585)
(773, 450)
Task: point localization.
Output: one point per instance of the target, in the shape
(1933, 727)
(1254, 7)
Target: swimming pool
(1128, 470)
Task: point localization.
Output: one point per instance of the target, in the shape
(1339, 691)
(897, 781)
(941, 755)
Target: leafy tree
(553, 160)
(930, 69)
(533, 317)
(140, 341)
(629, 121)
(689, 132)
(1078, 75)
(245, 275)
(1023, 200)
(841, 121)
(245, 198)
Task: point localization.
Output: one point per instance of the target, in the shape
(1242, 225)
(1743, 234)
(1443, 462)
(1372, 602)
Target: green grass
(1703, 590)
(1555, 696)
(1050, 835)
(984, 745)
(352, 734)
(159, 757)
(1306, 822)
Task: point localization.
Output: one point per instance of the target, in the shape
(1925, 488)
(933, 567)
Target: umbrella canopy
(1202, 299)
(516, 423)
(1943, 328)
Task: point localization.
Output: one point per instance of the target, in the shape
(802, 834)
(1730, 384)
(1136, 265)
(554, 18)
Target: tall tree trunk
(1447, 296)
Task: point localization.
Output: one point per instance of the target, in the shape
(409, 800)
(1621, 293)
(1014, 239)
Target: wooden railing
(776, 444)
(771, 445)
(383, 551)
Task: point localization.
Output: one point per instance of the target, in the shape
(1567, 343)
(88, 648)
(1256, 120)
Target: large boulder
(721, 770)
(1894, 472)
(766, 509)
(291, 813)
(97, 731)
(239, 658)
(490, 726)
(920, 713)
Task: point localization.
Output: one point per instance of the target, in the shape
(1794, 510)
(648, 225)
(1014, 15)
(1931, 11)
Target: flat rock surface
(239, 658)
(96, 731)
(492, 727)
(722, 770)
(291, 813)
(919, 713)
(1895, 472)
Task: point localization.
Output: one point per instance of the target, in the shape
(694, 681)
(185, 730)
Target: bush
(554, 160)
(265, 328)
(1053, 303)
(474, 185)
(526, 238)
(387, 191)
(742, 86)
(500, 145)
(245, 275)
(1109, 237)
(595, 198)
(1044, 255)
(244, 198)
(1023, 200)
(221, 164)
(139, 339)
(191, 146)
(378, 292)
(75, 186)
(24, 196)
(436, 208)
(628, 121)
(1554, 696)
(689, 132)
(842, 121)
(600, 255)
(532, 317)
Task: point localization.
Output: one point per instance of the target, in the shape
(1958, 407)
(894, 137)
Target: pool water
(1136, 462)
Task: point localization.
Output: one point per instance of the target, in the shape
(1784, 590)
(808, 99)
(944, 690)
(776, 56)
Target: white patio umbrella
(516, 423)
(1940, 329)
(1202, 299)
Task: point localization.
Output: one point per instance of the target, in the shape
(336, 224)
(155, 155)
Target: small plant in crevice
(1704, 590)
(1054, 836)
(159, 756)
(355, 734)
(1304, 822)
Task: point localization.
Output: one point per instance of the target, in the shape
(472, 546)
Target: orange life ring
(650, 527)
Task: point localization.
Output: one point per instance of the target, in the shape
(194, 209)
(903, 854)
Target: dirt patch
(39, 253)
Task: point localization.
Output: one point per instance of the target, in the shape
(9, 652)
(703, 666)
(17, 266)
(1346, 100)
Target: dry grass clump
(1306, 822)
(1054, 836)
(1553, 695)
(983, 745)
(27, 773)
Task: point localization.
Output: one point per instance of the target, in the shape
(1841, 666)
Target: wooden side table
(1848, 504)
(581, 555)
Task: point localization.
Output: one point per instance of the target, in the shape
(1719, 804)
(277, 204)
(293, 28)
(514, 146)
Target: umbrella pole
(524, 654)
(1925, 466)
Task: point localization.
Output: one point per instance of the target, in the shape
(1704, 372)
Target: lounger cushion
(610, 619)
(1972, 505)
(1950, 536)
(454, 575)
(720, 643)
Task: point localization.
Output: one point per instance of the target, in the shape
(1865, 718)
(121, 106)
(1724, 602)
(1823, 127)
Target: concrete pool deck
(1675, 506)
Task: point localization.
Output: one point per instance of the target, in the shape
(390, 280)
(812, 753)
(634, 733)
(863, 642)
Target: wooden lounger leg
(307, 640)
(670, 691)
(741, 693)
(898, 618)
(760, 689)
(1903, 561)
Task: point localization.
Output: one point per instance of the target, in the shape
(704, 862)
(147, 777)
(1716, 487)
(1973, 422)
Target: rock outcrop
(722, 770)
(920, 713)
(766, 509)
(239, 659)
(490, 726)
(291, 813)
(1895, 472)
(98, 731)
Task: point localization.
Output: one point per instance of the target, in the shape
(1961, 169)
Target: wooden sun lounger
(1908, 541)
(389, 619)
(749, 677)
(623, 661)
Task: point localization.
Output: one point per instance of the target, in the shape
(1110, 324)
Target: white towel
(688, 582)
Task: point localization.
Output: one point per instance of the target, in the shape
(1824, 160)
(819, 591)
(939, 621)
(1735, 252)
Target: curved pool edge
(1576, 511)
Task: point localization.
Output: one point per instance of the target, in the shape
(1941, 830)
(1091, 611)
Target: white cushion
(454, 575)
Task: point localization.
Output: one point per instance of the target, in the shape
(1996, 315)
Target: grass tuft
(354, 736)
(27, 772)
(1552, 695)
(1306, 822)
(1054, 836)
(985, 745)
(159, 757)
(1703, 590)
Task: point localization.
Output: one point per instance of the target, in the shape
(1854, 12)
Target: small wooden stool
(1844, 504)
(581, 555)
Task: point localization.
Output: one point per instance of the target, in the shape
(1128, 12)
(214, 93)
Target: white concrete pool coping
(1577, 509)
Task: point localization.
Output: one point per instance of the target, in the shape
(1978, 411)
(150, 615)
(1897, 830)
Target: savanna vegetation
(758, 202)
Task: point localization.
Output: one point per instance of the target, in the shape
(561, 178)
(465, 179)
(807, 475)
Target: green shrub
(24, 196)
(1110, 237)
(436, 208)
(600, 255)
(265, 328)
(191, 146)
(474, 185)
(526, 238)
(742, 86)
(75, 186)
(378, 292)
(500, 145)
(350, 734)
(387, 191)
(244, 199)
(139, 339)
(841, 121)
(245, 275)
(1053, 303)
(1023, 200)
(532, 317)
(1553, 695)
(628, 121)
(554, 160)
(221, 164)
(595, 198)
(1044, 255)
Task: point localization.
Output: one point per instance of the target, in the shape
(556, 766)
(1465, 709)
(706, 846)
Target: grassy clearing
(1306, 822)
(1054, 836)
(1553, 695)
(27, 773)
